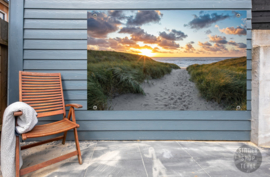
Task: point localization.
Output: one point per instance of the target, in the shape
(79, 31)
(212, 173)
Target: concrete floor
(144, 158)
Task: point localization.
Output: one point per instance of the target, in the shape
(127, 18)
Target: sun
(147, 52)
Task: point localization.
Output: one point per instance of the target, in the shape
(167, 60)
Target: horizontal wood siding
(55, 40)
(260, 14)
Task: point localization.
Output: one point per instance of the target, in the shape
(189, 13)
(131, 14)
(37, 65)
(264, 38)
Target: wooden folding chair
(44, 92)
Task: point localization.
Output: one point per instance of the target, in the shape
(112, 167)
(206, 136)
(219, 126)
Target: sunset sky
(168, 33)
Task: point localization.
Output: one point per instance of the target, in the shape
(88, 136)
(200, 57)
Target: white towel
(26, 122)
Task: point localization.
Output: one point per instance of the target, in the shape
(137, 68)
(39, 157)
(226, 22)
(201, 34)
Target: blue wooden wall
(51, 36)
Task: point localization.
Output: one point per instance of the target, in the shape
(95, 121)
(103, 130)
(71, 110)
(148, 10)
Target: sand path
(172, 92)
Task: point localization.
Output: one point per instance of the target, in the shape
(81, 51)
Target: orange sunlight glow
(147, 52)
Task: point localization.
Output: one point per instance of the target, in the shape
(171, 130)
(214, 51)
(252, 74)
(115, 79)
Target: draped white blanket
(26, 122)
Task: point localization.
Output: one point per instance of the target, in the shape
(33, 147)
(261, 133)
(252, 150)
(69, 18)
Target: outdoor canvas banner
(166, 60)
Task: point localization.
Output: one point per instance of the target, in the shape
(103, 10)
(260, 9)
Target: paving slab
(119, 168)
(143, 159)
(117, 150)
(165, 151)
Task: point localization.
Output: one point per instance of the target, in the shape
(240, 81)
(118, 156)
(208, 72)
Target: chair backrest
(42, 91)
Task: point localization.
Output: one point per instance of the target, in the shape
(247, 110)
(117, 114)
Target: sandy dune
(172, 92)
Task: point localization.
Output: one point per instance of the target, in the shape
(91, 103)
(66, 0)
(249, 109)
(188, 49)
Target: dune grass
(112, 73)
(223, 81)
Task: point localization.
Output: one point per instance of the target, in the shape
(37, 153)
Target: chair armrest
(74, 105)
(18, 113)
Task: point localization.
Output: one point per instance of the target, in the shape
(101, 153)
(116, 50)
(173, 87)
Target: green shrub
(223, 81)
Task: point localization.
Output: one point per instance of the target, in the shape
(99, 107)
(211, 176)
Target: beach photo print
(166, 60)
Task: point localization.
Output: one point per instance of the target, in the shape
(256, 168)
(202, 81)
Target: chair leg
(17, 161)
(77, 145)
(64, 138)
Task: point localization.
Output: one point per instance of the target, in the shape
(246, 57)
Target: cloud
(132, 30)
(234, 31)
(173, 35)
(206, 46)
(206, 20)
(145, 47)
(138, 34)
(167, 44)
(105, 44)
(118, 14)
(192, 42)
(242, 45)
(208, 31)
(101, 25)
(189, 48)
(93, 41)
(114, 44)
(218, 39)
(239, 45)
(146, 38)
(143, 17)
(125, 40)
(157, 50)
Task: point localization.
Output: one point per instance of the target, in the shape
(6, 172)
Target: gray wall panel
(249, 105)
(249, 74)
(249, 44)
(55, 24)
(55, 54)
(249, 54)
(249, 64)
(249, 34)
(248, 85)
(55, 44)
(162, 115)
(74, 85)
(65, 74)
(67, 24)
(138, 4)
(140, 125)
(75, 95)
(15, 50)
(248, 95)
(55, 34)
(55, 64)
(55, 14)
(160, 135)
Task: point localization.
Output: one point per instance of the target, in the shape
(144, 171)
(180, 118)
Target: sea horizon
(187, 61)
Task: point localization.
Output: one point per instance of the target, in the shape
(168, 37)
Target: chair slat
(41, 80)
(49, 109)
(42, 99)
(44, 104)
(37, 91)
(26, 73)
(39, 88)
(41, 96)
(50, 113)
(45, 101)
(42, 107)
(42, 83)
(43, 91)
(36, 77)
(40, 93)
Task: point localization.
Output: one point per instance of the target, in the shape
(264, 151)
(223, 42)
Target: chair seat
(50, 129)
